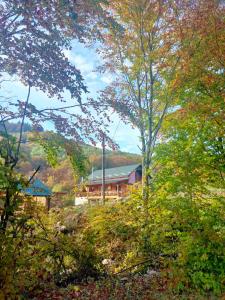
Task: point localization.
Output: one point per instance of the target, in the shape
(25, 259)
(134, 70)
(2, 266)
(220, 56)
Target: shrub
(40, 249)
(187, 237)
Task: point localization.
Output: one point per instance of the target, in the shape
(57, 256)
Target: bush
(114, 233)
(187, 238)
(40, 249)
(182, 239)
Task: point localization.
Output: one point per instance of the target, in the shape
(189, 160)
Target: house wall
(135, 177)
(41, 200)
(138, 175)
(112, 187)
(45, 201)
(132, 178)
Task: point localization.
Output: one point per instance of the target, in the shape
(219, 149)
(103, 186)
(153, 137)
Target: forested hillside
(60, 177)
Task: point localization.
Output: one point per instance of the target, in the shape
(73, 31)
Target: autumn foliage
(164, 241)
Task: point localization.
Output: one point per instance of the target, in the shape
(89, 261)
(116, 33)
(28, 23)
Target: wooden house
(117, 182)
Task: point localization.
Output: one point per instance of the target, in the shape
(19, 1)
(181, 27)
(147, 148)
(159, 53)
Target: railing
(99, 194)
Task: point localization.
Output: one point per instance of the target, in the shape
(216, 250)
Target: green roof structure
(37, 189)
(112, 174)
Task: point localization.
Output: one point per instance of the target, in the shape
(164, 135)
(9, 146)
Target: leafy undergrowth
(138, 287)
(85, 253)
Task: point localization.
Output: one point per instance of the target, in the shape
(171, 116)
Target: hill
(61, 177)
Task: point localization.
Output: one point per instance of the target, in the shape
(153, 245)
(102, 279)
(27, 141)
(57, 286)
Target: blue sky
(86, 60)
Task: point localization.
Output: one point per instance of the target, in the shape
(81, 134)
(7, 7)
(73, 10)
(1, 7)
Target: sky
(85, 59)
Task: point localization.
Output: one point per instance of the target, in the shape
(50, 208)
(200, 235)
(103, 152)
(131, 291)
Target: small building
(40, 192)
(117, 182)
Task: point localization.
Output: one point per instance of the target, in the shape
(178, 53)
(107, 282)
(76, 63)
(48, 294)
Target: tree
(34, 36)
(192, 157)
(140, 56)
(190, 163)
(199, 32)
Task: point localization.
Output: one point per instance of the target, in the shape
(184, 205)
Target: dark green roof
(38, 189)
(118, 172)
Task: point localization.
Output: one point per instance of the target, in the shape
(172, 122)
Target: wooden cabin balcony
(98, 195)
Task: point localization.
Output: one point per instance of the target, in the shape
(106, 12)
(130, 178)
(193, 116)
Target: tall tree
(192, 157)
(140, 56)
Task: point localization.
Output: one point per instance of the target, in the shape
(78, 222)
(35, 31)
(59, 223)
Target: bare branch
(31, 178)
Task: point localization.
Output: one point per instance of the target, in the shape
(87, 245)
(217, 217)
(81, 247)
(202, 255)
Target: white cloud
(84, 65)
(92, 76)
(107, 79)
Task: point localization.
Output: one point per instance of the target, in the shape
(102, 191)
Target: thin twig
(132, 267)
(38, 168)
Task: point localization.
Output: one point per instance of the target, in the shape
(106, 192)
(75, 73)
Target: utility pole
(92, 173)
(103, 169)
